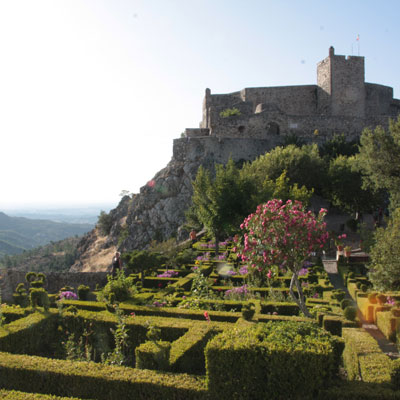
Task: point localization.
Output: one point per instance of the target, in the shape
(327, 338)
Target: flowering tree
(283, 234)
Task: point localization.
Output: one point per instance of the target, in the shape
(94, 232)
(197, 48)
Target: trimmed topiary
(248, 311)
(350, 313)
(345, 303)
(83, 292)
(364, 288)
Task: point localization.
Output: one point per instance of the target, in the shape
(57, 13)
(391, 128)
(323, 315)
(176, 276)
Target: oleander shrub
(272, 360)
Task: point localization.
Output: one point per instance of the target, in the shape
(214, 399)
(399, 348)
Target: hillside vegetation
(18, 234)
(55, 256)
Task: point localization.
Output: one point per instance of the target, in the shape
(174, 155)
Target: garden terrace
(195, 313)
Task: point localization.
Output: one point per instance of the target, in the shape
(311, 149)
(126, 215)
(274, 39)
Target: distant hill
(52, 257)
(18, 233)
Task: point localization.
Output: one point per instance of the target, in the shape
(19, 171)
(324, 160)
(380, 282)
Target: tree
(337, 146)
(384, 268)
(104, 223)
(345, 189)
(142, 261)
(303, 166)
(282, 234)
(279, 188)
(220, 203)
(379, 159)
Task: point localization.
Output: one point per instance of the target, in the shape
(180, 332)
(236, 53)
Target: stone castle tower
(341, 86)
(341, 102)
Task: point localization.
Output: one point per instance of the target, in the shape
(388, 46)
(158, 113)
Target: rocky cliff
(157, 212)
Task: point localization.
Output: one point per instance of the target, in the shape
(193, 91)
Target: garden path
(388, 347)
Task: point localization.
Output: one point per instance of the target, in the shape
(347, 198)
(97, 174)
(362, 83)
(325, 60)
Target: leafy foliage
(229, 112)
(384, 269)
(143, 261)
(338, 146)
(104, 223)
(56, 256)
(345, 189)
(219, 203)
(303, 165)
(379, 159)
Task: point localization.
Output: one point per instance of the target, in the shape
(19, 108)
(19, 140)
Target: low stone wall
(10, 278)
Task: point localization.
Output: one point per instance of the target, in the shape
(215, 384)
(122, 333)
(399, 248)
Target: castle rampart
(341, 102)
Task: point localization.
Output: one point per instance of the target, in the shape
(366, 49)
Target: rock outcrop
(157, 212)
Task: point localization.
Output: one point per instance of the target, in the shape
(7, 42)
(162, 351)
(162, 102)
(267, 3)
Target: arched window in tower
(241, 129)
(272, 128)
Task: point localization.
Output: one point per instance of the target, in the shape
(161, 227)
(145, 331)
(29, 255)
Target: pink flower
(269, 275)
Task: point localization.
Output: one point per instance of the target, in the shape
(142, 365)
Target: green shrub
(83, 292)
(345, 303)
(267, 360)
(338, 294)
(333, 325)
(248, 311)
(229, 112)
(350, 313)
(120, 287)
(104, 223)
(39, 298)
(364, 288)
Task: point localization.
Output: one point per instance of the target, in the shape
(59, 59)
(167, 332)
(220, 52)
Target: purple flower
(240, 291)
(304, 284)
(68, 295)
(316, 295)
(168, 274)
(244, 270)
(231, 273)
(390, 300)
(303, 271)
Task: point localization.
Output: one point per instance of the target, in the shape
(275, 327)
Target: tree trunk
(301, 300)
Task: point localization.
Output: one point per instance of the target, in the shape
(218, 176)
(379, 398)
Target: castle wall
(295, 100)
(378, 99)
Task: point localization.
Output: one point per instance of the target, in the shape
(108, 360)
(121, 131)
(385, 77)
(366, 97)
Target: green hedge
(30, 335)
(15, 395)
(357, 390)
(273, 361)
(153, 355)
(279, 307)
(363, 358)
(89, 380)
(187, 353)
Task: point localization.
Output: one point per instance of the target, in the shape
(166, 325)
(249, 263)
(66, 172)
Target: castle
(341, 102)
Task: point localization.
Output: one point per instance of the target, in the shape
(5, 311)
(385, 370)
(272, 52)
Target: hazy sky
(92, 93)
